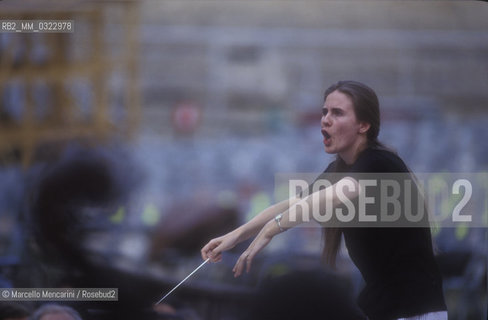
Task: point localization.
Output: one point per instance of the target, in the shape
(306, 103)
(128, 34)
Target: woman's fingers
(216, 257)
(215, 254)
(249, 259)
(246, 258)
(204, 254)
(213, 250)
(244, 261)
(239, 266)
(207, 250)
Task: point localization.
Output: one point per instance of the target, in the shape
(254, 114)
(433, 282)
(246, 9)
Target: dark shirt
(398, 265)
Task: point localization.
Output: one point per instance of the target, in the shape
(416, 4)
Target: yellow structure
(57, 87)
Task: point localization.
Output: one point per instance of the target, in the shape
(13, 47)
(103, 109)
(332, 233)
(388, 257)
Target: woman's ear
(364, 127)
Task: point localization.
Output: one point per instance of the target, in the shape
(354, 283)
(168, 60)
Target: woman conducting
(398, 266)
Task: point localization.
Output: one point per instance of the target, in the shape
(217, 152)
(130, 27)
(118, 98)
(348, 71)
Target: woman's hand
(214, 248)
(262, 239)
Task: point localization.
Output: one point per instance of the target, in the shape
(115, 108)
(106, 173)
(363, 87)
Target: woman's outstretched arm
(297, 213)
(214, 248)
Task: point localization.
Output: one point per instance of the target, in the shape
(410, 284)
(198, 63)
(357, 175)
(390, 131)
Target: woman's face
(343, 133)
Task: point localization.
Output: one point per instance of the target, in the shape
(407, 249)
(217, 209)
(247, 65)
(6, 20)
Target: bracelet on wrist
(278, 222)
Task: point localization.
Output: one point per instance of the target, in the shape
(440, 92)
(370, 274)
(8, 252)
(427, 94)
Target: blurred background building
(188, 109)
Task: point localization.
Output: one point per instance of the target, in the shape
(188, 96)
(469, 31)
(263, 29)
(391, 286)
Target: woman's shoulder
(332, 167)
(379, 160)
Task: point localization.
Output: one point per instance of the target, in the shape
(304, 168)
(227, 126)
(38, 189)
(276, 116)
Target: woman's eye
(324, 112)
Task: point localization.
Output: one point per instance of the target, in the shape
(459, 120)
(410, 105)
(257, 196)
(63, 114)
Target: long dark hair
(367, 109)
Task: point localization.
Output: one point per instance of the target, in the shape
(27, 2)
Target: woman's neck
(350, 156)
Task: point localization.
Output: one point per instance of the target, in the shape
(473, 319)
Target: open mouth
(325, 134)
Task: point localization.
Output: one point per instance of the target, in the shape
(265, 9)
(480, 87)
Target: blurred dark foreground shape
(10, 310)
(73, 200)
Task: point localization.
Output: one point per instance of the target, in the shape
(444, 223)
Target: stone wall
(245, 61)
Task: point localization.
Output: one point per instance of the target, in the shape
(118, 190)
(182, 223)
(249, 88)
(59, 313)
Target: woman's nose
(325, 120)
